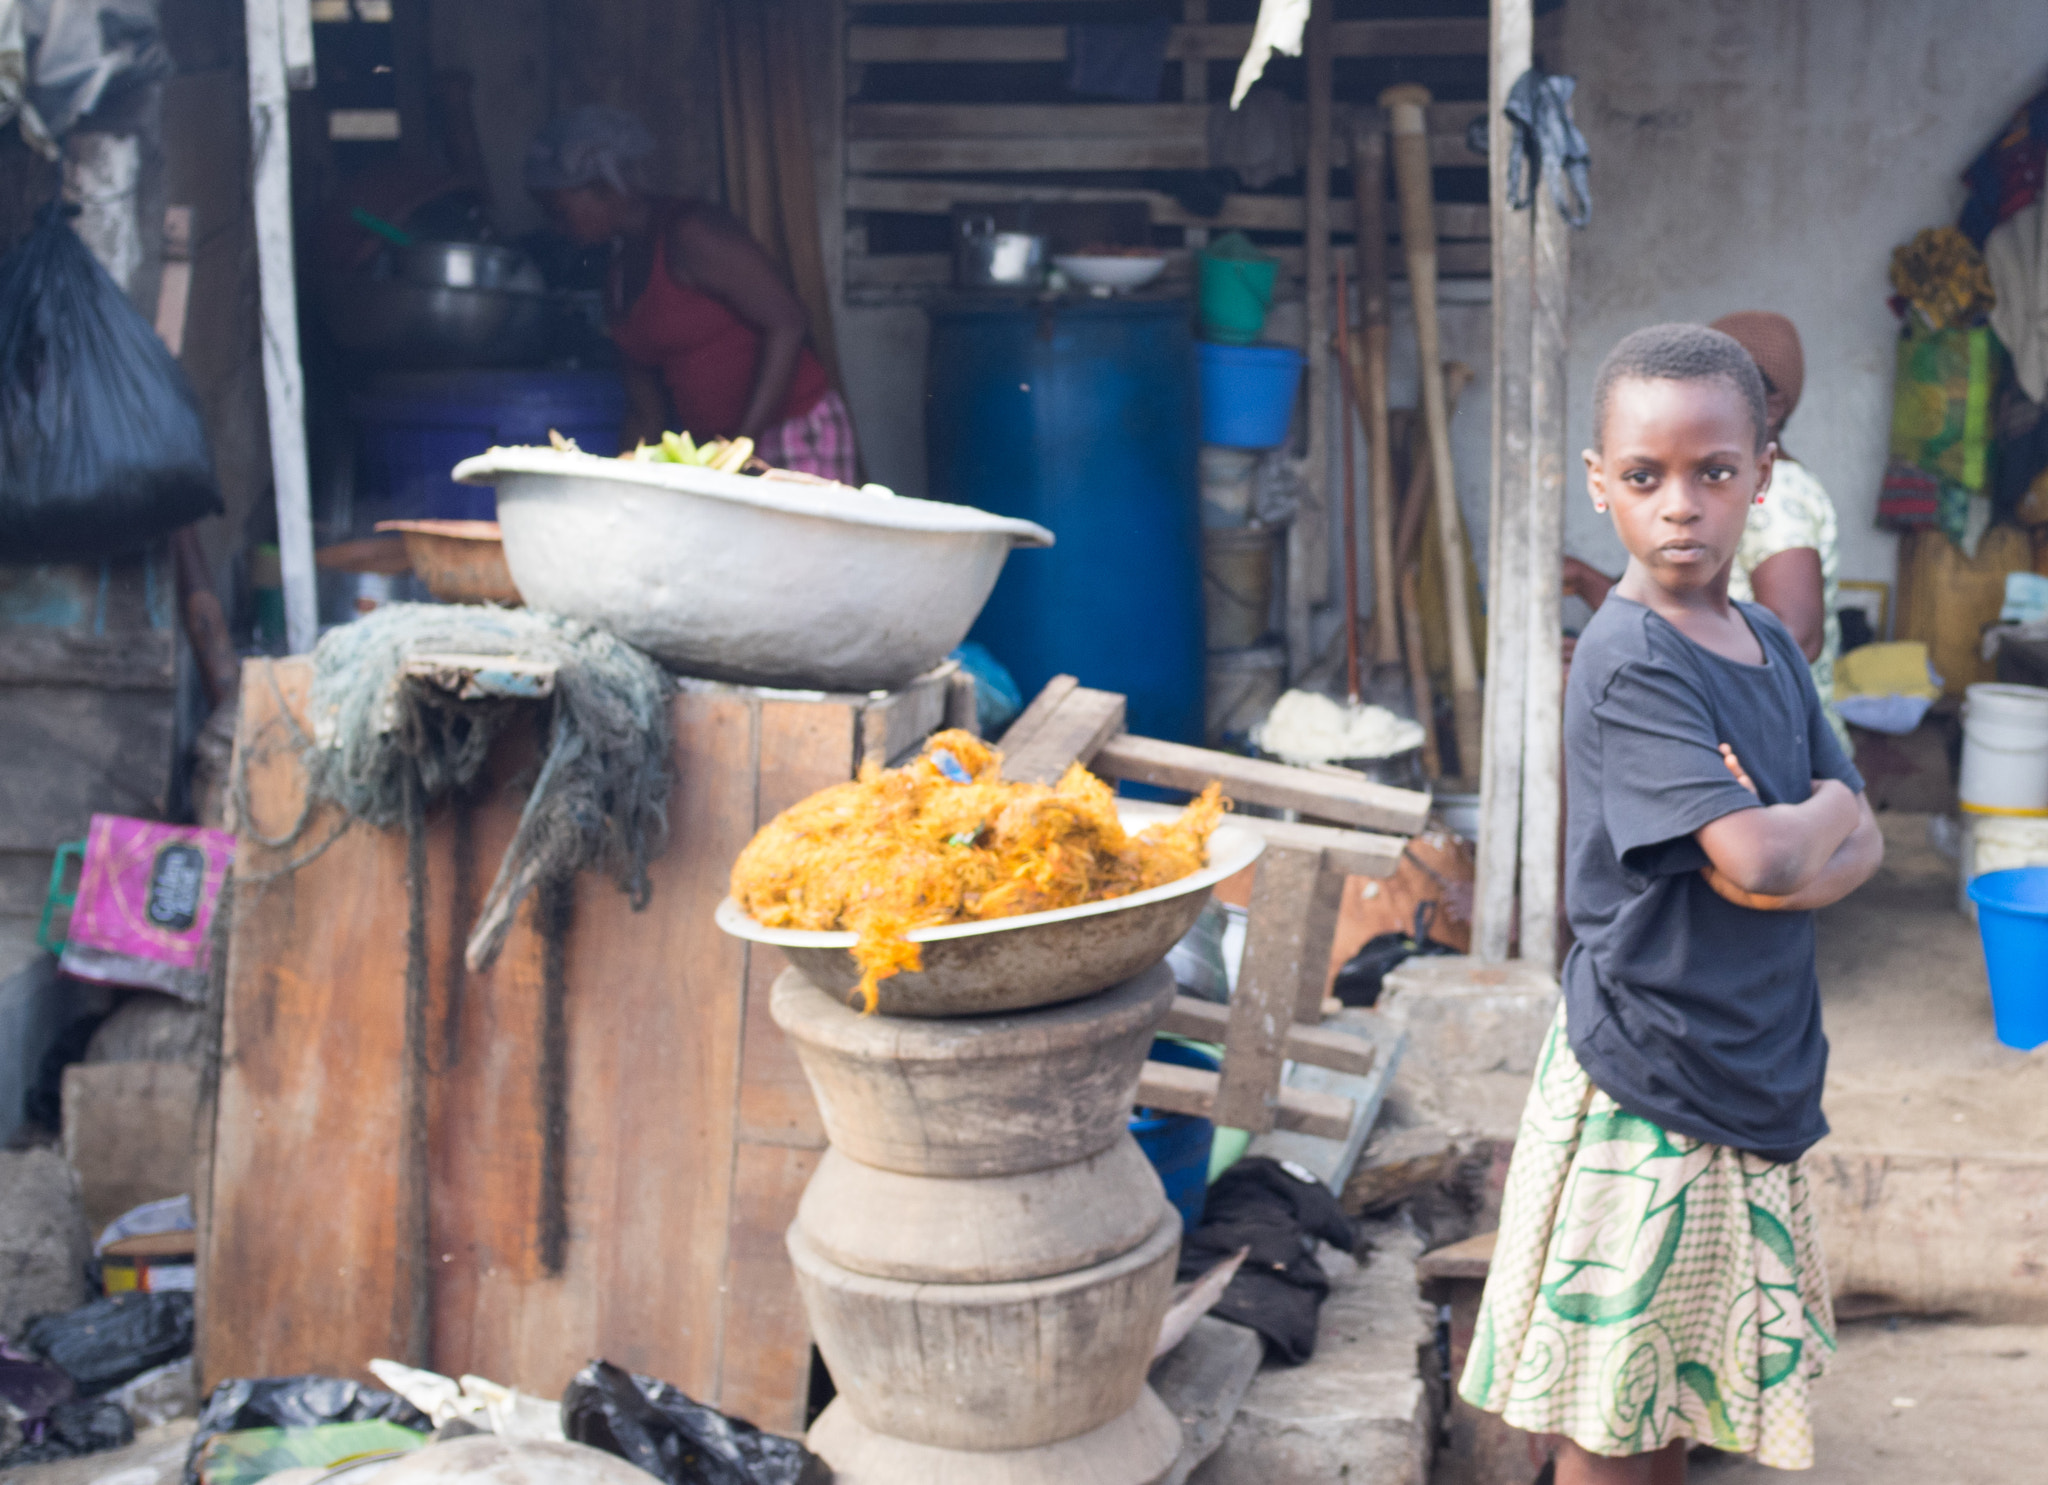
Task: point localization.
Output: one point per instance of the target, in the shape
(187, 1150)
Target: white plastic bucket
(2005, 750)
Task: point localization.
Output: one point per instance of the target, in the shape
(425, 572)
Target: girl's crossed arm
(1792, 857)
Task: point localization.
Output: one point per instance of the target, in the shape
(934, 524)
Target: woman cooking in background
(1787, 560)
(714, 341)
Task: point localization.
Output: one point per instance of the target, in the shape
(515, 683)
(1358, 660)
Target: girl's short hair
(1679, 353)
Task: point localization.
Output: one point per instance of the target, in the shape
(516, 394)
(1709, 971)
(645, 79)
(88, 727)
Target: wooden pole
(1369, 193)
(1500, 783)
(1350, 523)
(1308, 551)
(1407, 110)
(1543, 739)
(284, 384)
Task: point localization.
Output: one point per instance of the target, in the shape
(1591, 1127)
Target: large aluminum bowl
(738, 578)
(1035, 959)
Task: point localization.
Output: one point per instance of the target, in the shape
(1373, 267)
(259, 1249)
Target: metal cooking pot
(400, 323)
(469, 265)
(987, 259)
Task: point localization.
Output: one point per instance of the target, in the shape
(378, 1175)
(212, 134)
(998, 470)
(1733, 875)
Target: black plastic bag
(103, 1344)
(102, 449)
(651, 1425)
(1359, 982)
(75, 1428)
(294, 1402)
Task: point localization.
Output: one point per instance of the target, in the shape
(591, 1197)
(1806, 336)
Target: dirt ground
(1916, 1402)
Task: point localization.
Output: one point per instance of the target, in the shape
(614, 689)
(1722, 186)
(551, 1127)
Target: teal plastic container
(1235, 295)
(2012, 919)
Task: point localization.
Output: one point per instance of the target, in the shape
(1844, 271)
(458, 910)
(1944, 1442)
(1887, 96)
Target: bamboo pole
(1543, 738)
(1500, 784)
(1406, 106)
(1351, 410)
(1369, 193)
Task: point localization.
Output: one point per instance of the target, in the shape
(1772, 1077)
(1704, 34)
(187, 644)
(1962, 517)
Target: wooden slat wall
(690, 1131)
(922, 158)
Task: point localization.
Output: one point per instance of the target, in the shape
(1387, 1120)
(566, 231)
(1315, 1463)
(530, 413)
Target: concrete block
(44, 1245)
(1203, 1380)
(130, 1132)
(1359, 1409)
(147, 1027)
(1466, 1017)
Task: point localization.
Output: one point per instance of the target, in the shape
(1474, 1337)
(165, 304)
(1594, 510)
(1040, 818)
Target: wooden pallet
(1275, 1014)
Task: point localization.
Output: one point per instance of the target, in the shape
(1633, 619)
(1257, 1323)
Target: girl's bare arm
(1749, 849)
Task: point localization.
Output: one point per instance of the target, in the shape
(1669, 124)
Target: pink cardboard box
(145, 905)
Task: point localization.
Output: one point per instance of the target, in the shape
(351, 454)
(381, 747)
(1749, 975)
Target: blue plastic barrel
(1178, 1144)
(416, 426)
(2012, 919)
(1081, 415)
(1248, 394)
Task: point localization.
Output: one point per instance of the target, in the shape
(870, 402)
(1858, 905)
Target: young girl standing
(1658, 1280)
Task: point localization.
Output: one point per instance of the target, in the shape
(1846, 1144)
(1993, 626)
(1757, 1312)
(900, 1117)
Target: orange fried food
(945, 840)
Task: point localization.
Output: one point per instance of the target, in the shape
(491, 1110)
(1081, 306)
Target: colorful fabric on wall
(1941, 404)
(1941, 275)
(2007, 176)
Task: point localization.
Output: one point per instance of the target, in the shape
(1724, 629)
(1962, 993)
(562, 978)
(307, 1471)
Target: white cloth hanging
(1279, 29)
(2016, 255)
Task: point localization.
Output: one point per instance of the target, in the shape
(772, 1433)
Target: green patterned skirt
(1648, 1286)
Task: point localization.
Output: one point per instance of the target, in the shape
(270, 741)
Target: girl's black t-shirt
(1699, 1015)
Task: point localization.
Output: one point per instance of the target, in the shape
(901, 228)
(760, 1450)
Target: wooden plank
(1178, 121)
(1076, 729)
(897, 724)
(917, 272)
(1503, 715)
(284, 379)
(766, 1375)
(937, 156)
(1543, 732)
(297, 1274)
(1326, 796)
(1193, 1090)
(1262, 1004)
(1204, 1020)
(1470, 1259)
(1357, 853)
(1331, 1161)
(924, 196)
(1037, 713)
(1455, 37)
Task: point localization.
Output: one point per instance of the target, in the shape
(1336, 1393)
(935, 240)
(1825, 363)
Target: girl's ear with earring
(1600, 506)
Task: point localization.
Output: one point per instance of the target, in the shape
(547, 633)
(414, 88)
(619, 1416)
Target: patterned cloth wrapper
(818, 442)
(145, 905)
(1648, 1286)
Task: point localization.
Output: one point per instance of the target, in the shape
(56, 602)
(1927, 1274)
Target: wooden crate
(687, 1128)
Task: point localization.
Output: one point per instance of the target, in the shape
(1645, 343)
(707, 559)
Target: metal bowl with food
(1034, 959)
(741, 578)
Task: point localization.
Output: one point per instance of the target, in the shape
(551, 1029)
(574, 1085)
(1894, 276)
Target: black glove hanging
(1539, 107)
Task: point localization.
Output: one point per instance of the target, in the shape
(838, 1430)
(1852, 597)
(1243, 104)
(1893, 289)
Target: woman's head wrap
(589, 146)
(1774, 345)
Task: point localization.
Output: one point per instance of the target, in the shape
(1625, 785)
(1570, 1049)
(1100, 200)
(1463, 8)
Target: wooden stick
(1350, 523)
(1308, 549)
(1407, 107)
(1500, 781)
(1543, 736)
(1369, 190)
(1416, 502)
(1418, 674)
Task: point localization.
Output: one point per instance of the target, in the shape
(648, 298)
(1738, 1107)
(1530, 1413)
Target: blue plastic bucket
(1178, 1144)
(1248, 393)
(2012, 919)
(417, 426)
